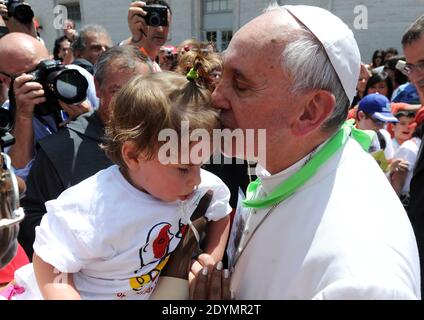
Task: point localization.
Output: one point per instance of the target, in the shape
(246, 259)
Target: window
(226, 38)
(213, 6)
(211, 36)
(74, 13)
(220, 38)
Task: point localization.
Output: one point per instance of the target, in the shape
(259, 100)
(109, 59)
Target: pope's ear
(318, 107)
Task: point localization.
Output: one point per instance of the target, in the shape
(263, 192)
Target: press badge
(237, 230)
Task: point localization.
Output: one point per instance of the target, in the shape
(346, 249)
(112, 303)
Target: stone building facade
(376, 23)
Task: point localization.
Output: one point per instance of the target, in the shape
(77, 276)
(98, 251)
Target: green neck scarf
(292, 184)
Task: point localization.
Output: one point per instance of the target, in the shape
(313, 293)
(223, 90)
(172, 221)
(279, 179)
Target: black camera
(6, 123)
(3, 31)
(59, 82)
(156, 16)
(168, 53)
(19, 10)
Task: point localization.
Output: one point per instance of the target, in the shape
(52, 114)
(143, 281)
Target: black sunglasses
(404, 113)
(8, 75)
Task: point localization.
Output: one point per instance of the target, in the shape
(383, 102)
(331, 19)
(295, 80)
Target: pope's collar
(271, 182)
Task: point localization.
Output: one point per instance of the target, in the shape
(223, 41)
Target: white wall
(112, 14)
(388, 20)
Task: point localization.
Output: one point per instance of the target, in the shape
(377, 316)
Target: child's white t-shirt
(114, 238)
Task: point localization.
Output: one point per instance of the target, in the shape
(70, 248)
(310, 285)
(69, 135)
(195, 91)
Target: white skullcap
(338, 41)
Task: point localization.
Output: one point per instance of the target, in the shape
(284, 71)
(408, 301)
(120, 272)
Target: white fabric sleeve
(220, 203)
(58, 243)
(365, 288)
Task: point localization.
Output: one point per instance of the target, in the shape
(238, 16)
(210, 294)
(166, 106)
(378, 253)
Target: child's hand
(399, 165)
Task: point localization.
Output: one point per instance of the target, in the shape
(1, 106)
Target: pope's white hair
(305, 61)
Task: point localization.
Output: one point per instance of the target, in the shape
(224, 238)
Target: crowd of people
(333, 210)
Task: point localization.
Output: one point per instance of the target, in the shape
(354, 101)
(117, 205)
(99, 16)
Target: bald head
(272, 28)
(20, 53)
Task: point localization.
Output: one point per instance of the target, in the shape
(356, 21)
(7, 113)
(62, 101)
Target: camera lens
(71, 86)
(65, 89)
(154, 20)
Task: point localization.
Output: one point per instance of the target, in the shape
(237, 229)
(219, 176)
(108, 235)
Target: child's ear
(130, 154)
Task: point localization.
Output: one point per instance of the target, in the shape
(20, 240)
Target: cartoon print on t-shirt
(138, 283)
(161, 240)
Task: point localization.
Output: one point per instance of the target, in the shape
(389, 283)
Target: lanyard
(292, 184)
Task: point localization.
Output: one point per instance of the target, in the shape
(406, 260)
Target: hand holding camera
(28, 94)
(74, 110)
(18, 16)
(40, 91)
(17, 9)
(136, 22)
(140, 16)
(400, 65)
(3, 9)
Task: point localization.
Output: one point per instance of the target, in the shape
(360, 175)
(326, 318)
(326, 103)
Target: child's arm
(54, 285)
(216, 238)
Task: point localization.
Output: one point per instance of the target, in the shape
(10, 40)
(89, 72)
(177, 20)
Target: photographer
(18, 23)
(21, 54)
(144, 36)
(69, 33)
(69, 30)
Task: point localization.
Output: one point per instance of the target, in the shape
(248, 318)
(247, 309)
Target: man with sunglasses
(91, 42)
(20, 55)
(413, 47)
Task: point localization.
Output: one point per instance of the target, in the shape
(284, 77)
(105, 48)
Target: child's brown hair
(149, 104)
(205, 64)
